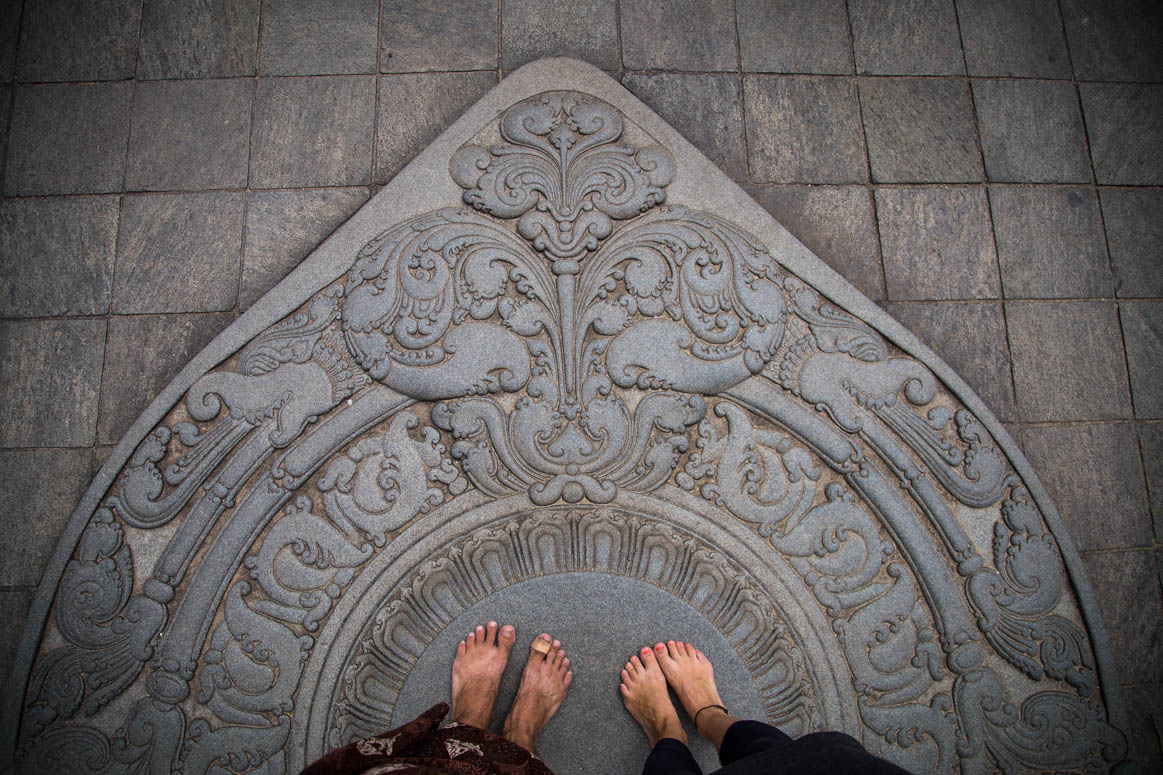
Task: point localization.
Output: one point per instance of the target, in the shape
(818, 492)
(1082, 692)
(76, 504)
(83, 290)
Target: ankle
(706, 715)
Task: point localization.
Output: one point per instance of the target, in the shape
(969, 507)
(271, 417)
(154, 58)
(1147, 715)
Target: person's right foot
(644, 695)
(543, 686)
(689, 673)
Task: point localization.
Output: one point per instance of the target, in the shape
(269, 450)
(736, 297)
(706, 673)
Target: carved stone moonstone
(562, 372)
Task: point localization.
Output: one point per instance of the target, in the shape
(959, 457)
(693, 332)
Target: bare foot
(644, 695)
(689, 673)
(543, 685)
(476, 673)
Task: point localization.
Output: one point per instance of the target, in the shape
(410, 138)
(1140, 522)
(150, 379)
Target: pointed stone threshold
(561, 372)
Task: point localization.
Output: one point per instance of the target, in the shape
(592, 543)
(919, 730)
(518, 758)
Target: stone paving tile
(415, 109)
(68, 139)
(189, 134)
(1151, 449)
(56, 255)
(1049, 242)
(836, 223)
(142, 354)
(678, 35)
(1031, 131)
(1007, 38)
(10, 14)
(1131, 611)
(207, 39)
(920, 130)
(282, 227)
(178, 253)
(1125, 124)
(14, 603)
(794, 36)
(970, 337)
(937, 243)
(5, 110)
(39, 489)
(1143, 338)
(706, 108)
(1145, 709)
(586, 29)
(307, 37)
(1134, 234)
(50, 375)
(1092, 472)
(1115, 40)
(1068, 361)
(909, 37)
(312, 131)
(803, 129)
(63, 40)
(422, 35)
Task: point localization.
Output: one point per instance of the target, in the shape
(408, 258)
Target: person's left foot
(476, 673)
(543, 686)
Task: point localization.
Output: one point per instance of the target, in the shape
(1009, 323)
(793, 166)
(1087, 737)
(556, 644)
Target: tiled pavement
(991, 171)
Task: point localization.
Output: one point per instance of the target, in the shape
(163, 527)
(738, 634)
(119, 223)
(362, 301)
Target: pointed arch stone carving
(562, 341)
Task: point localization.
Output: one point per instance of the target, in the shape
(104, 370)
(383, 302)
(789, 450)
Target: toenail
(660, 648)
(645, 650)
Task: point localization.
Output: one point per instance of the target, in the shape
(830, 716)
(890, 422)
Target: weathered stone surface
(1133, 612)
(706, 107)
(913, 37)
(937, 243)
(970, 337)
(1068, 361)
(1031, 131)
(1151, 451)
(587, 29)
(1008, 39)
(283, 227)
(1134, 235)
(435, 35)
(208, 39)
(803, 130)
(313, 131)
(1104, 506)
(1120, 40)
(1049, 242)
(68, 139)
(920, 130)
(69, 41)
(39, 489)
(37, 236)
(1145, 708)
(9, 35)
(678, 35)
(50, 370)
(1143, 337)
(189, 134)
(14, 602)
(162, 236)
(794, 36)
(1125, 126)
(303, 37)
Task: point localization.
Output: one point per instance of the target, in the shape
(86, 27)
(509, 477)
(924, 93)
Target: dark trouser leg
(744, 738)
(670, 757)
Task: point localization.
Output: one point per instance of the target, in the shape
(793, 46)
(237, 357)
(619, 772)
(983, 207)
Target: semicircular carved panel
(566, 335)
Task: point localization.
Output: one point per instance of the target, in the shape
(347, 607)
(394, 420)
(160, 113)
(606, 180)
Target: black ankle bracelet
(708, 707)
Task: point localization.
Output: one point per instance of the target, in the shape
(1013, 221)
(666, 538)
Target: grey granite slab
(1151, 451)
(803, 129)
(312, 131)
(38, 237)
(304, 37)
(1134, 610)
(51, 371)
(68, 139)
(420, 35)
(1050, 242)
(1118, 40)
(1143, 338)
(587, 29)
(937, 243)
(1068, 361)
(10, 14)
(678, 35)
(1134, 235)
(1031, 131)
(706, 107)
(5, 112)
(1145, 708)
(1093, 470)
(970, 337)
(794, 36)
(208, 39)
(63, 40)
(920, 130)
(912, 37)
(178, 252)
(1125, 126)
(1013, 39)
(189, 135)
(14, 603)
(39, 488)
